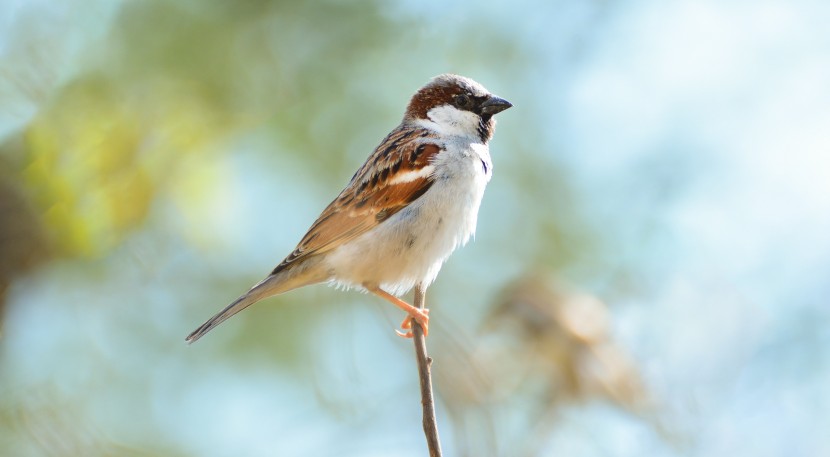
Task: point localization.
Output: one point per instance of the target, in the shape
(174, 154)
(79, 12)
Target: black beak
(494, 105)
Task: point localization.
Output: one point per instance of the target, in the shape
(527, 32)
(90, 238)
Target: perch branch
(425, 375)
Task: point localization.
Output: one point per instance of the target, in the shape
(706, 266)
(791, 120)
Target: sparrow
(409, 206)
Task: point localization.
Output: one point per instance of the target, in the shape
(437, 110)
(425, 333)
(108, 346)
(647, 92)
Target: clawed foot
(420, 316)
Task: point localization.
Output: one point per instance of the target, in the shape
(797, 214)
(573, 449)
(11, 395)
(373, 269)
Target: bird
(406, 209)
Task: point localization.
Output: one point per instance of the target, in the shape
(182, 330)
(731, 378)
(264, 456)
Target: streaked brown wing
(395, 175)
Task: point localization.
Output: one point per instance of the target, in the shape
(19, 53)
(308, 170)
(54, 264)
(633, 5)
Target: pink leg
(420, 316)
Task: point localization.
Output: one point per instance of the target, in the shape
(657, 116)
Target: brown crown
(440, 91)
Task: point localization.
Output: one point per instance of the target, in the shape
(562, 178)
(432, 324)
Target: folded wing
(400, 172)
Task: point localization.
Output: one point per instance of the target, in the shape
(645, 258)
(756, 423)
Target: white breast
(411, 246)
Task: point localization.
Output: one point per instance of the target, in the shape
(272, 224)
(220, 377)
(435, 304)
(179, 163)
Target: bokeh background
(649, 277)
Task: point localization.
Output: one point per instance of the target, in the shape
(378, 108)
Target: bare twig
(424, 366)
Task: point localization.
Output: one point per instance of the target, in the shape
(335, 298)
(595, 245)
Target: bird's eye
(462, 101)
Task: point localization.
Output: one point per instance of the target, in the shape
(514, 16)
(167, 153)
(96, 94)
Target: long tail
(277, 283)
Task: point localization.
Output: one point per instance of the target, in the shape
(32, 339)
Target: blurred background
(649, 277)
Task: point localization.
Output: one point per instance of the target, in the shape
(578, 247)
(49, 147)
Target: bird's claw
(421, 317)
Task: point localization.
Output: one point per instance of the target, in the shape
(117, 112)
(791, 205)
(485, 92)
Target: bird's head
(456, 106)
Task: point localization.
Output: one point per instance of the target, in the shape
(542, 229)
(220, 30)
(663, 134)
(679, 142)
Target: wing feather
(397, 173)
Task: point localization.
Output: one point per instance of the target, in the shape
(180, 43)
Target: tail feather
(268, 287)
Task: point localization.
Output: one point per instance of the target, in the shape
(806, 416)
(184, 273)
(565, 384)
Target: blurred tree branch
(23, 242)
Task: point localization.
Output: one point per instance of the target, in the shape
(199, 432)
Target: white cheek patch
(412, 175)
(449, 120)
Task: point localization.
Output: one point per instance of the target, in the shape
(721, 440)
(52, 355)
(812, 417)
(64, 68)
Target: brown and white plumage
(413, 201)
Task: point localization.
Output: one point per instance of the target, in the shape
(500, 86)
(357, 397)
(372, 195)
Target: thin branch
(424, 372)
